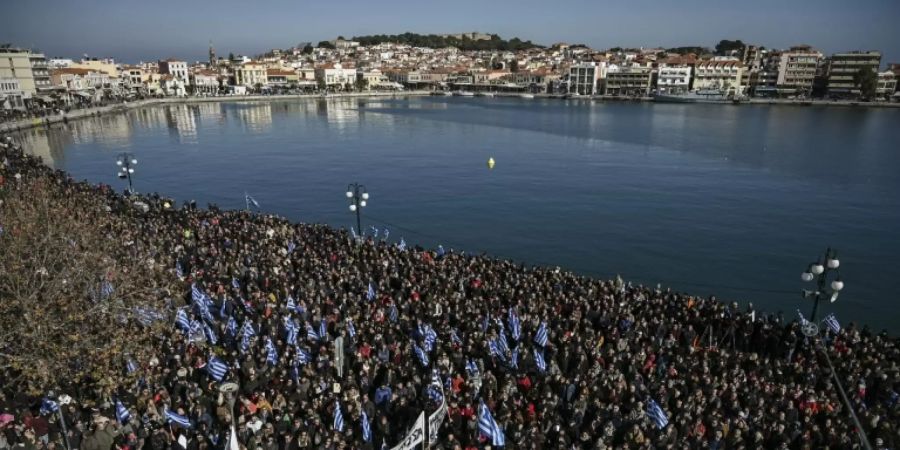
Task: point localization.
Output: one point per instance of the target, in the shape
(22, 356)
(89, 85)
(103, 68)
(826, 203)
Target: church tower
(212, 55)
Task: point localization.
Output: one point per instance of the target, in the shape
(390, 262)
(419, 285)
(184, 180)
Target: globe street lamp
(358, 197)
(126, 163)
(819, 272)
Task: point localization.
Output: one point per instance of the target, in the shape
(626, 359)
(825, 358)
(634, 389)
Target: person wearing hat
(101, 434)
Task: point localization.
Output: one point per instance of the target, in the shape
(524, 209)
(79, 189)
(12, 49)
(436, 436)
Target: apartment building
(11, 95)
(797, 70)
(15, 63)
(842, 69)
(674, 80)
(584, 78)
(628, 81)
(178, 69)
(250, 74)
(719, 74)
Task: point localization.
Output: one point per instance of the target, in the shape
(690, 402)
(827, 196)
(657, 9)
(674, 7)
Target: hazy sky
(131, 30)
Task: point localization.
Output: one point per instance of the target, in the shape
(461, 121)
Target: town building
(673, 80)
(628, 81)
(840, 77)
(250, 74)
(204, 81)
(281, 77)
(887, 84)
(584, 77)
(11, 94)
(40, 70)
(107, 65)
(797, 70)
(178, 69)
(334, 75)
(15, 63)
(720, 75)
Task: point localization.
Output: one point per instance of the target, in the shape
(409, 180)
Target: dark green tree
(325, 44)
(867, 81)
(725, 47)
(307, 49)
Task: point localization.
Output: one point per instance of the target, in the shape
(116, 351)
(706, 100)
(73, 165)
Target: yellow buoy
(490, 163)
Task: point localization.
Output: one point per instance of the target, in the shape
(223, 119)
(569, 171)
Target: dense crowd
(725, 377)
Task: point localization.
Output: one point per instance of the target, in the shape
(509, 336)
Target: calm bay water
(709, 199)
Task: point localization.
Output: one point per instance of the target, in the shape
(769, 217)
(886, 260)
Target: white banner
(415, 436)
(434, 422)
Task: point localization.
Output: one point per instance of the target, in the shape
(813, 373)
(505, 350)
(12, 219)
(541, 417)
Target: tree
(73, 278)
(231, 56)
(325, 44)
(307, 49)
(362, 84)
(726, 47)
(867, 81)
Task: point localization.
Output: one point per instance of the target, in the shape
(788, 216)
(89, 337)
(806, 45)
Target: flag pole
(246, 201)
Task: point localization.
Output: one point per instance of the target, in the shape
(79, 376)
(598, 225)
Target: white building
(584, 77)
(250, 74)
(674, 80)
(178, 69)
(719, 75)
(797, 70)
(11, 95)
(333, 75)
(57, 63)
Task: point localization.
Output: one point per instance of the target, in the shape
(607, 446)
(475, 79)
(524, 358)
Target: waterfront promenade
(559, 360)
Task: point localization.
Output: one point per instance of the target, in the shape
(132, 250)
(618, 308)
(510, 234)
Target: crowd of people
(322, 331)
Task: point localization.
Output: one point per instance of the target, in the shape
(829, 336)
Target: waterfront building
(719, 74)
(763, 81)
(204, 81)
(584, 77)
(15, 63)
(628, 81)
(281, 77)
(842, 69)
(55, 63)
(178, 69)
(250, 74)
(40, 70)
(673, 79)
(334, 75)
(887, 84)
(107, 65)
(797, 70)
(11, 94)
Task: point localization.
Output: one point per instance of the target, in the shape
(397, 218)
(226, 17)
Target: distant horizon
(136, 32)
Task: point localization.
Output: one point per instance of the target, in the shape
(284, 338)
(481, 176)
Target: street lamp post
(819, 271)
(126, 163)
(358, 197)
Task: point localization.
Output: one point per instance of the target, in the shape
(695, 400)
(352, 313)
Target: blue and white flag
(374, 232)
(247, 329)
(291, 247)
(501, 342)
(311, 333)
(540, 338)
(539, 361)
(434, 394)
(235, 283)
(245, 343)
(370, 292)
(338, 417)
(430, 338)
(271, 354)
(402, 245)
(303, 356)
(106, 290)
(803, 320)
(392, 314)
(454, 337)
(210, 334)
(514, 359)
(832, 323)
(656, 414)
(323, 330)
(179, 271)
(353, 233)
(130, 366)
(146, 316)
(423, 357)
(351, 330)
(472, 368)
(231, 327)
(177, 419)
(216, 368)
(485, 322)
(290, 329)
(366, 428)
(48, 406)
(250, 200)
(514, 325)
(440, 251)
(494, 349)
(291, 304)
(122, 414)
(489, 427)
(386, 234)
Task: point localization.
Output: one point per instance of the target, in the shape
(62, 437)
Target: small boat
(485, 94)
(464, 94)
(526, 95)
(448, 94)
(700, 96)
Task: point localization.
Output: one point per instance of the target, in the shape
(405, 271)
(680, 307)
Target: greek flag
(338, 417)
(247, 329)
(291, 329)
(222, 308)
(182, 320)
(440, 251)
(803, 320)
(291, 247)
(235, 283)
(656, 414)
(250, 200)
(210, 334)
(231, 327)
(245, 343)
(178, 419)
(423, 358)
(386, 234)
(454, 338)
(514, 325)
(501, 342)
(198, 296)
(130, 366)
(216, 368)
(472, 368)
(366, 428)
(48, 406)
(430, 338)
(196, 328)
(485, 323)
(402, 245)
(147, 316)
(311, 333)
(351, 330)
(374, 232)
(179, 271)
(488, 426)
(434, 394)
(832, 323)
(353, 233)
(494, 348)
(106, 290)
(370, 293)
(539, 360)
(323, 330)
(303, 356)
(514, 359)
(291, 304)
(271, 354)
(392, 314)
(541, 337)
(122, 414)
